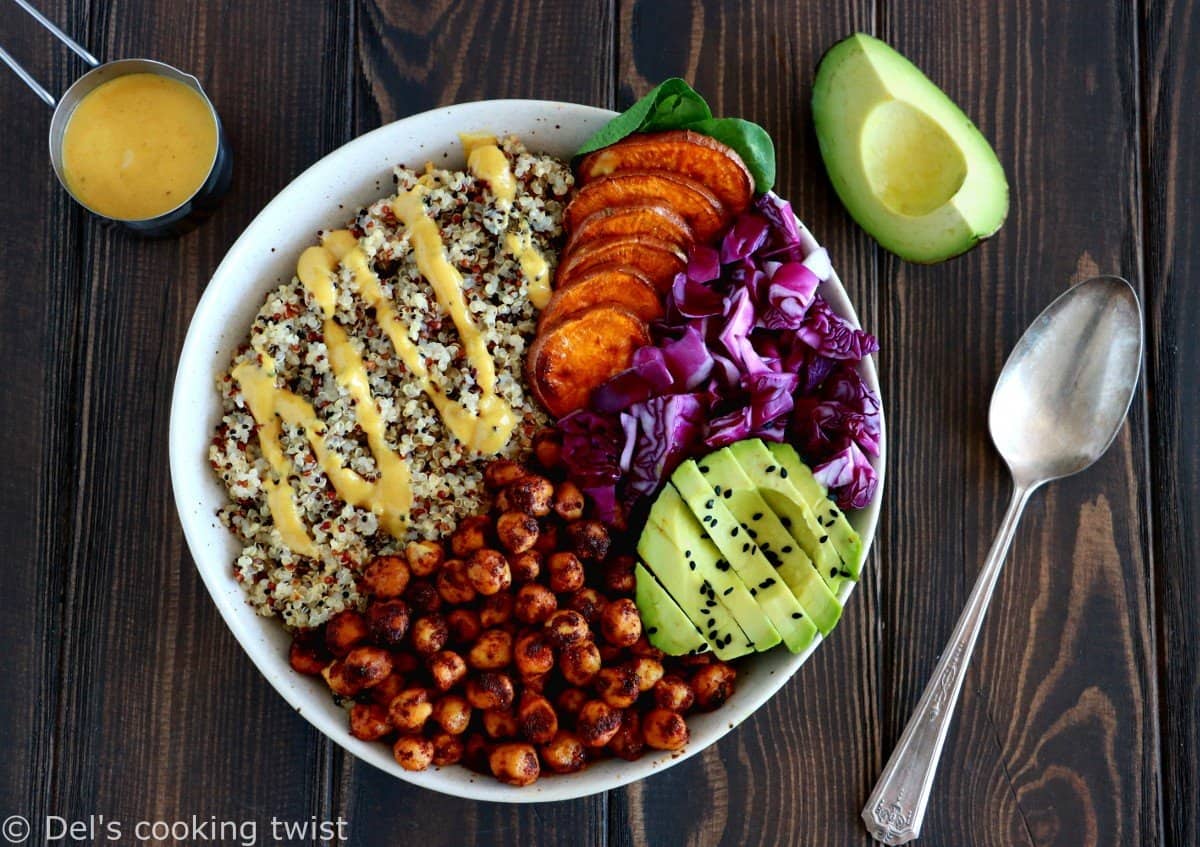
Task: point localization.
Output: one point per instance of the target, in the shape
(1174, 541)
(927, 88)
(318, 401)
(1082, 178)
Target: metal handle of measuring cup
(47, 24)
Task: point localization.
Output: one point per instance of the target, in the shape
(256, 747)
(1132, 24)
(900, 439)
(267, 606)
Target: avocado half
(908, 165)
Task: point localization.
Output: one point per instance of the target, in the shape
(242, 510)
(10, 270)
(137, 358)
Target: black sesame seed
(787, 522)
(833, 514)
(752, 533)
(770, 469)
(746, 547)
(757, 516)
(710, 623)
(652, 630)
(833, 572)
(687, 554)
(713, 636)
(822, 539)
(727, 591)
(753, 592)
(783, 473)
(704, 469)
(787, 549)
(767, 583)
(710, 503)
(692, 565)
(734, 532)
(717, 489)
(727, 493)
(796, 616)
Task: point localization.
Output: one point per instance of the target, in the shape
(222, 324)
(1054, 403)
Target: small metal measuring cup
(192, 210)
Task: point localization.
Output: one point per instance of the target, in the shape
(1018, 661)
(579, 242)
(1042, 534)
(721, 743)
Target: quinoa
(447, 481)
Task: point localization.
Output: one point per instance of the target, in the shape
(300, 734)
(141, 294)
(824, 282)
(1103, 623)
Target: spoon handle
(896, 807)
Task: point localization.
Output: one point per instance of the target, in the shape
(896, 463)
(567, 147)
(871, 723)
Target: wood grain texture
(1170, 75)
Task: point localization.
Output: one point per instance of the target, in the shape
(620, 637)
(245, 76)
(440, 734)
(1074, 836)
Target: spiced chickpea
(566, 572)
(385, 576)
(369, 721)
(344, 630)
(568, 501)
(647, 671)
(673, 693)
(535, 683)
(547, 541)
(503, 472)
(369, 665)
(589, 540)
(307, 659)
(664, 729)
(465, 625)
(628, 743)
(588, 602)
(471, 535)
(500, 724)
(341, 682)
(533, 654)
(643, 648)
(537, 721)
(514, 764)
(547, 448)
(488, 571)
(619, 575)
(490, 691)
(497, 609)
(429, 634)
(579, 662)
(570, 701)
(413, 753)
(618, 687)
(567, 627)
(492, 651)
(387, 621)
(534, 604)
(424, 557)
(410, 709)
(447, 669)
(423, 596)
(597, 723)
(610, 654)
(388, 688)
(532, 495)
(696, 660)
(517, 531)
(713, 685)
(452, 583)
(525, 567)
(565, 753)
(447, 749)
(404, 661)
(620, 623)
(452, 713)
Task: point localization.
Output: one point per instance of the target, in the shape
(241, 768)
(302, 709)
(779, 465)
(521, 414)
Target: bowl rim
(223, 283)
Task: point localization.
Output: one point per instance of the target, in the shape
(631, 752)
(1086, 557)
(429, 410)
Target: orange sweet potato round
(655, 259)
(688, 198)
(568, 361)
(618, 284)
(690, 154)
(653, 220)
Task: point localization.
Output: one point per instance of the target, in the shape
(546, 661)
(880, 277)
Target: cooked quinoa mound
(446, 476)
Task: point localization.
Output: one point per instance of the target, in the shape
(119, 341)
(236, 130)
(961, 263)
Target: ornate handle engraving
(896, 807)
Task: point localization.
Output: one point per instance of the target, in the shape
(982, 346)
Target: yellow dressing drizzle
(486, 161)
(533, 265)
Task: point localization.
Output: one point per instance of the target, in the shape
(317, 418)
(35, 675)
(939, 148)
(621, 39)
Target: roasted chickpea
(476, 749)
(447, 669)
(404, 661)
(500, 724)
(568, 501)
(424, 557)
(490, 691)
(713, 685)
(388, 688)
(525, 567)
(620, 623)
(547, 448)
(423, 596)
(588, 540)
(597, 723)
(340, 681)
(385, 576)
(618, 687)
(536, 718)
(673, 694)
(464, 624)
(570, 701)
(565, 753)
(535, 683)
(515, 764)
(643, 648)
(344, 630)
(502, 473)
(471, 535)
(619, 575)
(609, 654)
(413, 753)
(588, 602)
(497, 609)
(387, 621)
(533, 654)
(447, 749)
(429, 634)
(697, 660)
(567, 627)
(579, 662)
(452, 583)
(648, 672)
(532, 495)
(664, 730)
(628, 743)
(547, 541)
(493, 651)
(410, 709)
(488, 571)
(566, 572)
(452, 713)
(369, 665)
(517, 531)
(369, 721)
(534, 603)
(306, 658)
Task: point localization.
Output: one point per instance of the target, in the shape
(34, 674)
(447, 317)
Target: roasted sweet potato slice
(571, 359)
(706, 160)
(655, 259)
(688, 198)
(617, 284)
(656, 221)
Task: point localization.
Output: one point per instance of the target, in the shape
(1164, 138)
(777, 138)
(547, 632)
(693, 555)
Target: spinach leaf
(751, 142)
(668, 105)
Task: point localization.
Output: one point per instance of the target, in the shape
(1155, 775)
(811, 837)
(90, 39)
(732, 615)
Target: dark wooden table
(125, 696)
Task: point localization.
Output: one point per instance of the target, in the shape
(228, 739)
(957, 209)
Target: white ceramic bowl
(324, 197)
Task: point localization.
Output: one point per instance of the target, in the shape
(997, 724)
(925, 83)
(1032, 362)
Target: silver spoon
(1058, 405)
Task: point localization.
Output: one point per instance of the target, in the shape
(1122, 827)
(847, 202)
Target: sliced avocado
(693, 594)
(755, 518)
(844, 538)
(786, 502)
(667, 627)
(671, 516)
(773, 597)
(906, 162)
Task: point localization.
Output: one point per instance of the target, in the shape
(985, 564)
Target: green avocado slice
(667, 627)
